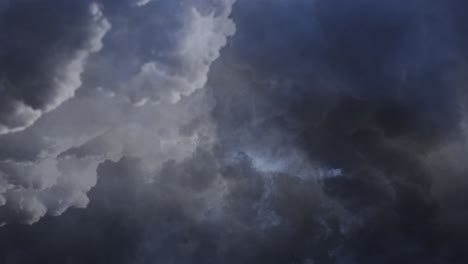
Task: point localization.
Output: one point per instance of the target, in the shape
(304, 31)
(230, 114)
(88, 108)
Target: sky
(233, 131)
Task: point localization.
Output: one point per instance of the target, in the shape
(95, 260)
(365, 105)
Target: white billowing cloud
(30, 175)
(82, 135)
(31, 190)
(20, 117)
(17, 114)
(199, 43)
(64, 148)
(68, 79)
(25, 205)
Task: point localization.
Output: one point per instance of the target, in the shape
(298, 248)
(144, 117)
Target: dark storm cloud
(200, 210)
(179, 40)
(372, 88)
(331, 131)
(49, 164)
(43, 51)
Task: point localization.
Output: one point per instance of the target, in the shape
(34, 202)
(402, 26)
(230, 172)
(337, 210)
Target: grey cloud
(142, 2)
(198, 210)
(179, 45)
(328, 132)
(43, 56)
(61, 174)
(50, 166)
(47, 186)
(42, 61)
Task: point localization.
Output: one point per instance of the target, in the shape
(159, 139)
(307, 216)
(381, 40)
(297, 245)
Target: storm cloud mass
(233, 131)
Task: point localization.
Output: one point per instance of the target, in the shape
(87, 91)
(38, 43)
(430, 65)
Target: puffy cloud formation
(142, 2)
(201, 209)
(183, 39)
(49, 165)
(43, 53)
(329, 131)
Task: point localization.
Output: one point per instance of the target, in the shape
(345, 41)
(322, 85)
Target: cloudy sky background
(224, 131)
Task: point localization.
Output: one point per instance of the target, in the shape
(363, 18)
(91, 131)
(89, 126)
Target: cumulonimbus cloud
(328, 131)
(178, 64)
(47, 165)
(43, 58)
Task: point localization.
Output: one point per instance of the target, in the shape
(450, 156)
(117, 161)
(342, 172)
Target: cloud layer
(49, 165)
(43, 56)
(328, 131)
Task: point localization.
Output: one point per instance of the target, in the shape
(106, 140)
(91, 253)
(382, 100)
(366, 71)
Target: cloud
(142, 2)
(59, 171)
(369, 88)
(181, 51)
(42, 61)
(49, 186)
(190, 211)
(50, 165)
(326, 132)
